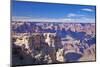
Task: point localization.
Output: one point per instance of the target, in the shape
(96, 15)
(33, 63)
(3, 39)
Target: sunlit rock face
(45, 43)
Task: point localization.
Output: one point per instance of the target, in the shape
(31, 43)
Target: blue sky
(35, 11)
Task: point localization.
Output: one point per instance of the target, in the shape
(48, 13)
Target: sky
(35, 11)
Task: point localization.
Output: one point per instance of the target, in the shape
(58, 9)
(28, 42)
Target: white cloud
(38, 19)
(71, 15)
(74, 15)
(86, 9)
(72, 20)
